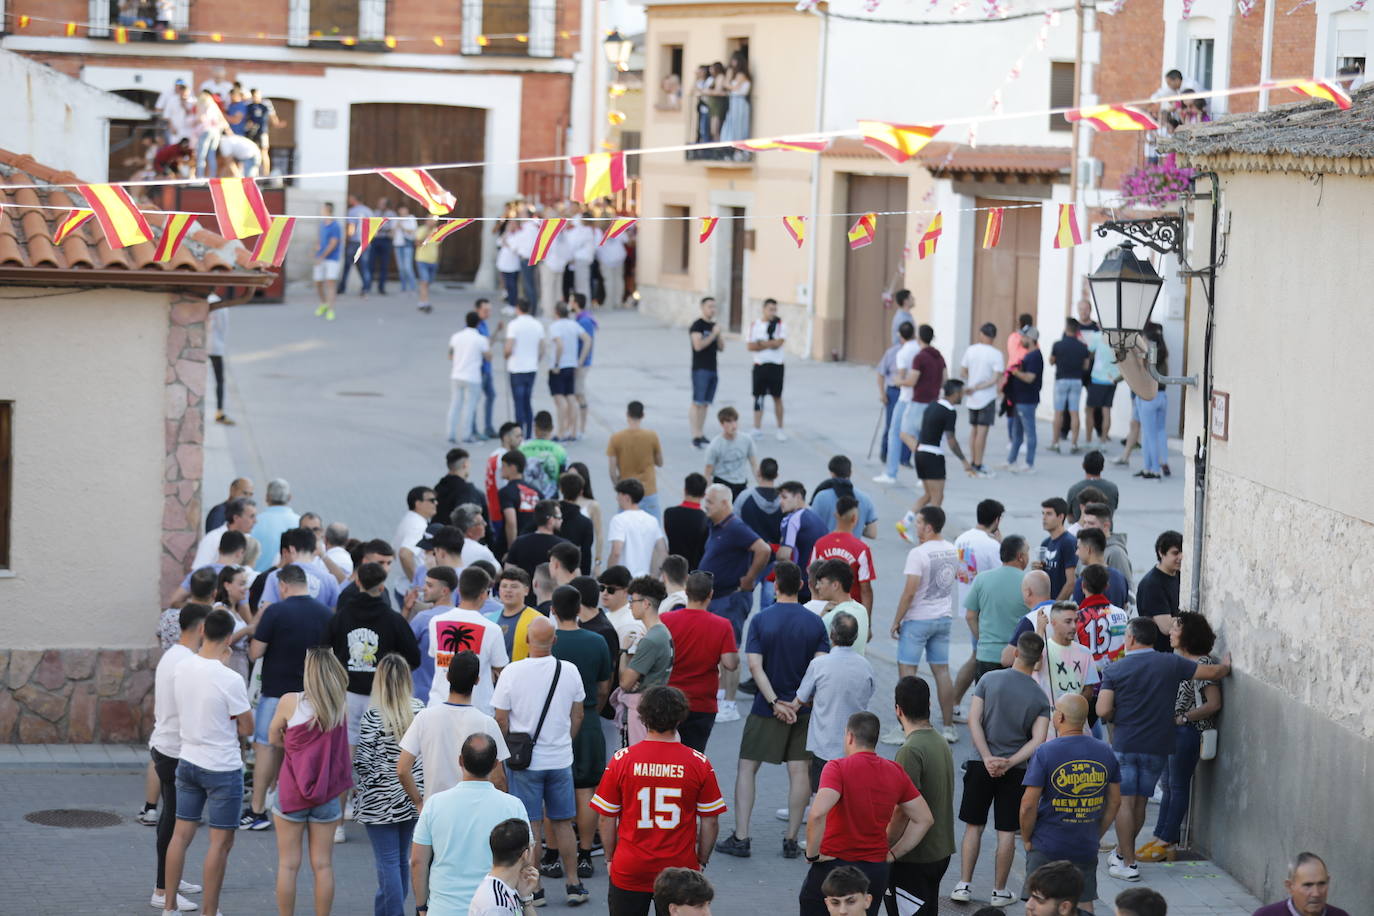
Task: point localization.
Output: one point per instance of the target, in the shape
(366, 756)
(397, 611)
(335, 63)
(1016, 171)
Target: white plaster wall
(88, 445)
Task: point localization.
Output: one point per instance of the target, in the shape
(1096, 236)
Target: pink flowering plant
(1154, 185)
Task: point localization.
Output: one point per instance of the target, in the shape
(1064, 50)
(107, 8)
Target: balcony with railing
(510, 28)
(139, 20)
(717, 105)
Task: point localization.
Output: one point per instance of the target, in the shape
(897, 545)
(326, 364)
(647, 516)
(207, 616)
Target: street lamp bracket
(1161, 233)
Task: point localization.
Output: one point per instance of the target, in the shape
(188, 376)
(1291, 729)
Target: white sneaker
(948, 734)
(1114, 860)
(756, 433)
(1023, 469)
(1158, 797)
(159, 902)
(782, 436)
(884, 478)
(348, 811)
(985, 473)
(728, 712)
(1002, 898)
(959, 717)
(188, 888)
(339, 835)
(1124, 872)
(894, 735)
(962, 893)
(781, 813)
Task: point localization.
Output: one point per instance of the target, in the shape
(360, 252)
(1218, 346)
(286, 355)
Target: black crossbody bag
(521, 744)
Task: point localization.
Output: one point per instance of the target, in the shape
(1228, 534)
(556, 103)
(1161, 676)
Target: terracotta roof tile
(951, 157)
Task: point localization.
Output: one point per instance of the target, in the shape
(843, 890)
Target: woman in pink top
(207, 126)
(316, 770)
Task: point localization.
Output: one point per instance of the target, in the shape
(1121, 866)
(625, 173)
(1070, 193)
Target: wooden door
(405, 134)
(735, 319)
(1005, 278)
(872, 270)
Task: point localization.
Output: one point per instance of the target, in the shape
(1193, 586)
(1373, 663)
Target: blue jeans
(464, 400)
(1021, 426)
(207, 155)
(651, 505)
(530, 281)
(380, 254)
(892, 393)
(1140, 773)
(545, 792)
(364, 269)
(704, 385)
(391, 853)
(1154, 443)
(1178, 782)
(521, 390)
(734, 607)
(895, 446)
(488, 400)
(511, 281)
(405, 265)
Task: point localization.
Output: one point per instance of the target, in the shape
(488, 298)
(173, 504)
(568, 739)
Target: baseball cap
(1030, 334)
(180, 82)
(427, 542)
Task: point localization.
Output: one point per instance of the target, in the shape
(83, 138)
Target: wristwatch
(815, 858)
(422, 908)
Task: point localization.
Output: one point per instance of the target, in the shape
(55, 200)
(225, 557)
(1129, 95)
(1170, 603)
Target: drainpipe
(1267, 52)
(812, 262)
(1202, 450)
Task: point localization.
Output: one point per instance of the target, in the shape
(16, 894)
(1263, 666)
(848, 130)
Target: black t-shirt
(1156, 594)
(290, 627)
(520, 496)
(704, 358)
(1027, 392)
(578, 529)
(936, 422)
(602, 624)
(453, 491)
(686, 529)
(1070, 355)
(529, 550)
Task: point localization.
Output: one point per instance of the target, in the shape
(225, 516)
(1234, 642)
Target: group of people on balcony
(722, 106)
(220, 131)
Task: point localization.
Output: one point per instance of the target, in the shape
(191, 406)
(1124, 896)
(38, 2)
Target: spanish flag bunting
(421, 186)
(122, 222)
(597, 175)
(239, 207)
(1321, 89)
(23, 22)
(271, 246)
(70, 223)
(549, 230)
(177, 227)
(862, 232)
(898, 142)
(992, 229)
(931, 237)
(806, 146)
(708, 225)
(71, 30)
(444, 231)
(796, 228)
(121, 35)
(1112, 117)
(367, 231)
(618, 228)
(1068, 234)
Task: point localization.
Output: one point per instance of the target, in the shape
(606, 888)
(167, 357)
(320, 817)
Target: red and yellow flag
(1068, 234)
(420, 185)
(992, 229)
(1112, 117)
(176, 228)
(802, 146)
(71, 30)
(618, 227)
(1321, 89)
(795, 227)
(931, 237)
(863, 231)
(368, 227)
(271, 246)
(549, 230)
(444, 231)
(239, 208)
(708, 225)
(597, 175)
(898, 142)
(121, 35)
(70, 223)
(124, 225)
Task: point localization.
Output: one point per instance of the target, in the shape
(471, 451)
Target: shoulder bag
(521, 744)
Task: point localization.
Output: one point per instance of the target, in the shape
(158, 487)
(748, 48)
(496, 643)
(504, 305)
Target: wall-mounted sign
(1220, 416)
(326, 118)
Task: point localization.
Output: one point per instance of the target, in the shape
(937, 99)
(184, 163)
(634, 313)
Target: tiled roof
(28, 254)
(991, 159)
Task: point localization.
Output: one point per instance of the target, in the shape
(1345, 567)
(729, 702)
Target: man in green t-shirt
(994, 605)
(928, 761)
(650, 660)
(545, 459)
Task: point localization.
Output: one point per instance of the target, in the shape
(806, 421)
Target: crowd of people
(580, 261)
(221, 130)
(720, 100)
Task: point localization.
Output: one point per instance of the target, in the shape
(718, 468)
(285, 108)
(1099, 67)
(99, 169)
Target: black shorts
(983, 416)
(1100, 395)
(768, 379)
(562, 381)
(1002, 793)
(930, 466)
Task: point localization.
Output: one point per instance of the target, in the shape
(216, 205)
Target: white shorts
(326, 271)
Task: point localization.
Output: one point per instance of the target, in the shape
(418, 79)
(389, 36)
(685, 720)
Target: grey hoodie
(760, 509)
(1118, 558)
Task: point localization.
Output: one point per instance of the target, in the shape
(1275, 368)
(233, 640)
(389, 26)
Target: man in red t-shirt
(659, 802)
(841, 544)
(704, 643)
(850, 814)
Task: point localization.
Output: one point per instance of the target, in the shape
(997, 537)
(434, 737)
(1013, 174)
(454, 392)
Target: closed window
(1061, 92)
(677, 236)
(6, 483)
(1200, 52)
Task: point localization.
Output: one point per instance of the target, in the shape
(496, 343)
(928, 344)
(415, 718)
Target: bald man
(241, 488)
(1073, 790)
(1035, 594)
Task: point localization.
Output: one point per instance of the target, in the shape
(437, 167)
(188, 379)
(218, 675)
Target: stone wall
(76, 696)
(184, 438)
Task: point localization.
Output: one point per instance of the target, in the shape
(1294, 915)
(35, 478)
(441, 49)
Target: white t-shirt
(494, 897)
(759, 331)
(207, 551)
(937, 563)
(341, 559)
(458, 630)
(166, 736)
(582, 241)
(627, 629)
(526, 332)
(522, 690)
(234, 146)
(906, 354)
(567, 331)
(469, 347)
(474, 551)
(611, 253)
(208, 697)
(436, 737)
(978, 551)
(984, 363)
(408, 535)
(638, 531)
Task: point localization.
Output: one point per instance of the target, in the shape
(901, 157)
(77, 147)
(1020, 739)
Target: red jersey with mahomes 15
(700, 638)
(841, 545)
(657, 789)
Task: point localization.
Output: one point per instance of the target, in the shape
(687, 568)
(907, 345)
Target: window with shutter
(1061, 92)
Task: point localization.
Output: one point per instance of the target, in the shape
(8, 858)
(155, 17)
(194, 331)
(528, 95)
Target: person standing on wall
(767, 336)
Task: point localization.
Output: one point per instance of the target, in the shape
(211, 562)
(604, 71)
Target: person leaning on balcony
(717, 94)
(739, 83)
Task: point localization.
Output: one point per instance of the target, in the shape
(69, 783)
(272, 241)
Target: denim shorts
(1067, 392)
(1140, 773)
(426, 272)
(704, 385)
(734, 607)
(923, 637)
(545, 792)
(221, 790)
(326, 813)
(911, 420)
(262, 718)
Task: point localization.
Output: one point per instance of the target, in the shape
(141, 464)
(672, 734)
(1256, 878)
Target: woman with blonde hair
(312, 727)
(380, 803)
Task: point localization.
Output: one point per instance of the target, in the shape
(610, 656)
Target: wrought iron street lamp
(618, 48)
(1124, 289)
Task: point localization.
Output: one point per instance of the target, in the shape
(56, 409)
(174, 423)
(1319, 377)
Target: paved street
(352, 412)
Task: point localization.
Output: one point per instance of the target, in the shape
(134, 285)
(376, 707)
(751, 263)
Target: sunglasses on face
(611, 589)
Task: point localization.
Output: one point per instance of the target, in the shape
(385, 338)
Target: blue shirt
(727, 555)
(324, 588)
(1145, 685)
(457, 823)
(584, 351)
(486, 357)
(330, 230)
(823, 504)
(1075, 773)
(1027, 392)
(1118, 591)
(272, 522)
(290, 627)
(1062, 553)
(800, 531)
(788, 636)
(238, 108)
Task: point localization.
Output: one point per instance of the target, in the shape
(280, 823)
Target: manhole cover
(73, 817)
(360, 394)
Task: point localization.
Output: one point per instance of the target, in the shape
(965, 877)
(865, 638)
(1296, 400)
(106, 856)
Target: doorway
(736, 295)
(1005, 278)
(126, 152)
(871, 272)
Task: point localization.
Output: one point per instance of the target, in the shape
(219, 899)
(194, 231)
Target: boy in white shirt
(508, 889)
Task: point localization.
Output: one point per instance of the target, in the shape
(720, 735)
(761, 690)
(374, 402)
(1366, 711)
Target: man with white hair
(467, 518)
(336, 557)
(273, 520)
(1307, 885)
